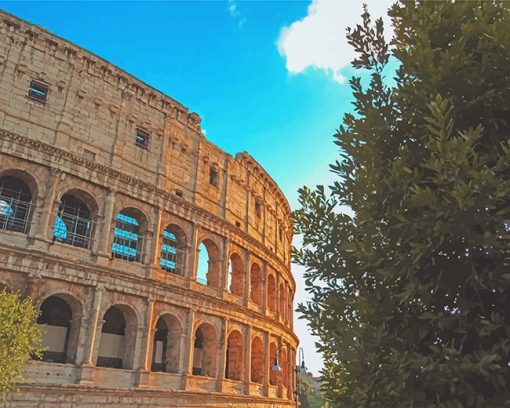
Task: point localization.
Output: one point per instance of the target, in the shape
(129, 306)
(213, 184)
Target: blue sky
(266, 77)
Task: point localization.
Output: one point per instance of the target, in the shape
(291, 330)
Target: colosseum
(159, 263)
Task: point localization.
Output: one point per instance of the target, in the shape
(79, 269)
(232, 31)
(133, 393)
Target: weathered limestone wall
(81, 141)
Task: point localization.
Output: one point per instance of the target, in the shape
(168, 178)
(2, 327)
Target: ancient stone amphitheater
(160, 264)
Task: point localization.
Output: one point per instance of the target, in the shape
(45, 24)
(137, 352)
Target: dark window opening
(179, 193)
(142, 139)
(73, 224)
(258, 209)
(280, 233)
(56, 316)
(38, 91)
(213, 177)
(238, 224)
(15, 204)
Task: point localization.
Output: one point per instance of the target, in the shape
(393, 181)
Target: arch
(59, 321)
(15, 203)
(273, 352)
(281, 295)
(173, 249)
(271, 293)
(118, 338)
(208, 264)
(256, 284)
(234, 367)
(128, 235)
(204, 351)
(236, 274)
(73, 224)
(257, 360)
(166, 344)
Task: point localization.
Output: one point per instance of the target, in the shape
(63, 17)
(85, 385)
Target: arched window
(166, 345)
(234, 365)
(236, 275)
(256, 284)
(15, 204)
(118, 337)
(73, 224)
(273, 353)
(271, 293)
(55, 324)
(208, 269)
(205, 350)
(257, 360)
(128, 238)
(173, 244)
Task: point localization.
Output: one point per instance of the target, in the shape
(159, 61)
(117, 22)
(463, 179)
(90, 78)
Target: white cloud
(235, 13)
(318, 40)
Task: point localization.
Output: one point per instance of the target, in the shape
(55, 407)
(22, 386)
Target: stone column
(187, 350)
(267, 363)
(91, 344)
(103, 232)
(247, 283)
(47, 214)
(222, 354)
(264, 288)
(153, 247)
(146, 335)
(247, 360)
(192, 255)
(224, 270)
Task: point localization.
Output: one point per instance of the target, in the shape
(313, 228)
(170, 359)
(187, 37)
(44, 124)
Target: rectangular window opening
(142, 138)
(38, 91)
(258, 209)
(213, 177)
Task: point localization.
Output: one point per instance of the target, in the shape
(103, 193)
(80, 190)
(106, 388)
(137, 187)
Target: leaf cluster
(411, 293)
(19, 339)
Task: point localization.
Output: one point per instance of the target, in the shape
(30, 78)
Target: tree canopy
(411, 291)
(19, 339)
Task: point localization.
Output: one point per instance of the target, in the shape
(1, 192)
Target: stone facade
(160, 264)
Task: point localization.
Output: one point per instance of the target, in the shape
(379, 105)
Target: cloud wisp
(234, 12)
(318, 40)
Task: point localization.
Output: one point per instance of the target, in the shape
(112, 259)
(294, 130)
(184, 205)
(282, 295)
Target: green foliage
(19, 339)
(411, 294)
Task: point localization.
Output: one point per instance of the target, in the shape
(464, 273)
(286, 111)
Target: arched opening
(271, 293)
(128, 235)
(257, 360)
(173, 246)
(236, 275)
(273, 352)
(204, 351)
(282, 301)
(73, 224)
(59, 334)
(208, 268)
(166, 345)
(15, 204)
(256, 284)
(118, 337)
(234, 365)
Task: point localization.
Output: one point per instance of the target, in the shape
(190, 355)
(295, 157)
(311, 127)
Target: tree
(19, 339)
(411, 293)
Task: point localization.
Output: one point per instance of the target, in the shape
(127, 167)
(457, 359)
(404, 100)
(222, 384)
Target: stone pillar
(264, 288)
(103, 232)
(187, 350)
(267, 363)
(153, 246)
(224, 270)
(247, 360)
(222, 354)
(77, 339)
(49, 206)
(192, 254)
(247, 283)
(146, 334)
(91, 343)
